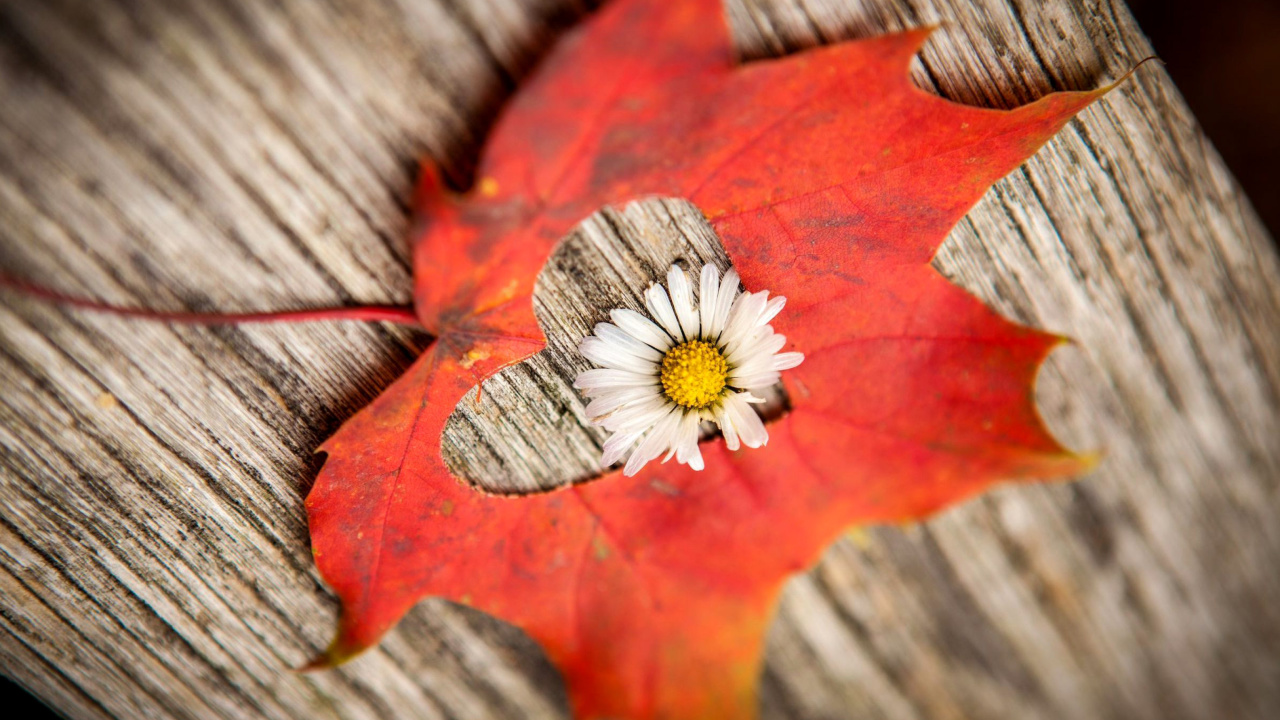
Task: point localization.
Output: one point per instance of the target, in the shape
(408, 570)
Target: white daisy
(699, 361)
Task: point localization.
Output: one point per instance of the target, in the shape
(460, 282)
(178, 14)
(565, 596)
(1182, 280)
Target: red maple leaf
(831, 180)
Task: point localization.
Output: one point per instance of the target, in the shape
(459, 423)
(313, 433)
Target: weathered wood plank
(247, 155)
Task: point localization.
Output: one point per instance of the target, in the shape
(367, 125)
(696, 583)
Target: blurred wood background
(258, 154)
(1227, 67)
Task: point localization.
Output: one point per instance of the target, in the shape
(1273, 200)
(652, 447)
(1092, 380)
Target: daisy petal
(727, 428)
(603, 378)
(742, 318)
(614, 334)
(759, 380)
(772, 309)
(689, 453)
(607, 403)
(655, 442)
(617, 445)
(659, 305)
(787, 360)
(602, 352)
(635, 417)
(642, 329)
(745, 420)
(724, 301)
(682, 300)
(686, 445)
(756, 349)
(708, 288)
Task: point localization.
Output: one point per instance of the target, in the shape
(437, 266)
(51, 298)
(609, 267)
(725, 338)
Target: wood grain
(246, 155)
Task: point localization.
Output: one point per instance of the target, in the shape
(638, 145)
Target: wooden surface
(246, 154)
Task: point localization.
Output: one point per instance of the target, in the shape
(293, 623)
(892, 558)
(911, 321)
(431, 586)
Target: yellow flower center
(694, 373)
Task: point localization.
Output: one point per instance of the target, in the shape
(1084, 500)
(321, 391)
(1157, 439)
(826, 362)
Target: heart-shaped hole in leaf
(528, 430)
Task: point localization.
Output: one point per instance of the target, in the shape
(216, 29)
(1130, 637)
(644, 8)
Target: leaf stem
(400, 314)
